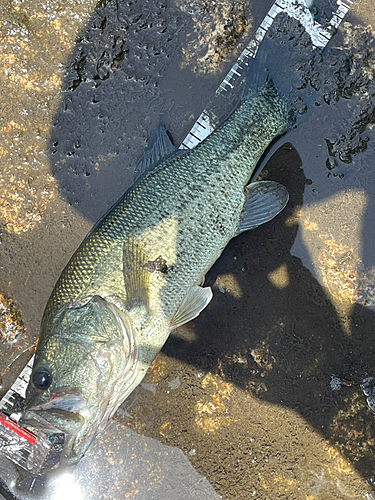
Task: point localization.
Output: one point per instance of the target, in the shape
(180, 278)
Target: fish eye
(42, 378)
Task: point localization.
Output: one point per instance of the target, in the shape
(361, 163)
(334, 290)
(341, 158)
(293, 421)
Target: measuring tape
(298, 10)
(36, 452)
(16, 443)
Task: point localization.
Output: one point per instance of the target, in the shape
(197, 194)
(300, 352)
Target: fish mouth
(60, 413)
(51, 420)
(65, 399)
(65, 410)
(57, 421)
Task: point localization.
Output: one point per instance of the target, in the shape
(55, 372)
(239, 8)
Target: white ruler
(294, 8)
(17, 391)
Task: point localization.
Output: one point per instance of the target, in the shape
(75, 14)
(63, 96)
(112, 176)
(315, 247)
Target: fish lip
(36, 417)
(35, 420)
(65, 400)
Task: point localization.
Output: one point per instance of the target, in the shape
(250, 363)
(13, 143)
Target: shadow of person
(278, 337)
(282, 338)
(124, 76)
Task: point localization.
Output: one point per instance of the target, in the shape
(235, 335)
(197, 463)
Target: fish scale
(208, 180)
(112, 309)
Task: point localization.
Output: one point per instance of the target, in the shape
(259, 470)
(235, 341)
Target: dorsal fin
(160, 147)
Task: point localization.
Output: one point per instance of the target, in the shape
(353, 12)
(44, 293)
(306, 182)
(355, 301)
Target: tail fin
(283, 53)
(258, 75)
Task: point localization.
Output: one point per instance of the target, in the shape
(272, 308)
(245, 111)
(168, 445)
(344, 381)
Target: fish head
(85, 365)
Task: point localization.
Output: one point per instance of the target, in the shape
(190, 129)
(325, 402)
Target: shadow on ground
(294, 329)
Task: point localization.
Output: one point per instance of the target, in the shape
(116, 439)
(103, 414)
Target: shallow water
(238, 404)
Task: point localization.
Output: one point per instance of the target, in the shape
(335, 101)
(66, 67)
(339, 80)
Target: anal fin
(264, 200)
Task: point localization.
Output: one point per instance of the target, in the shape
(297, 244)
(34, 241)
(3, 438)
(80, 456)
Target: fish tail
(258, 75)
(275, 73)
(260, 82)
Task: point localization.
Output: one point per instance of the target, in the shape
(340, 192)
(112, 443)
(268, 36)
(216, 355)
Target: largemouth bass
(139, 273)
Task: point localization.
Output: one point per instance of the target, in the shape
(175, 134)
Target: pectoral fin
(136, 275)
(191, 306)
(264, 200)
